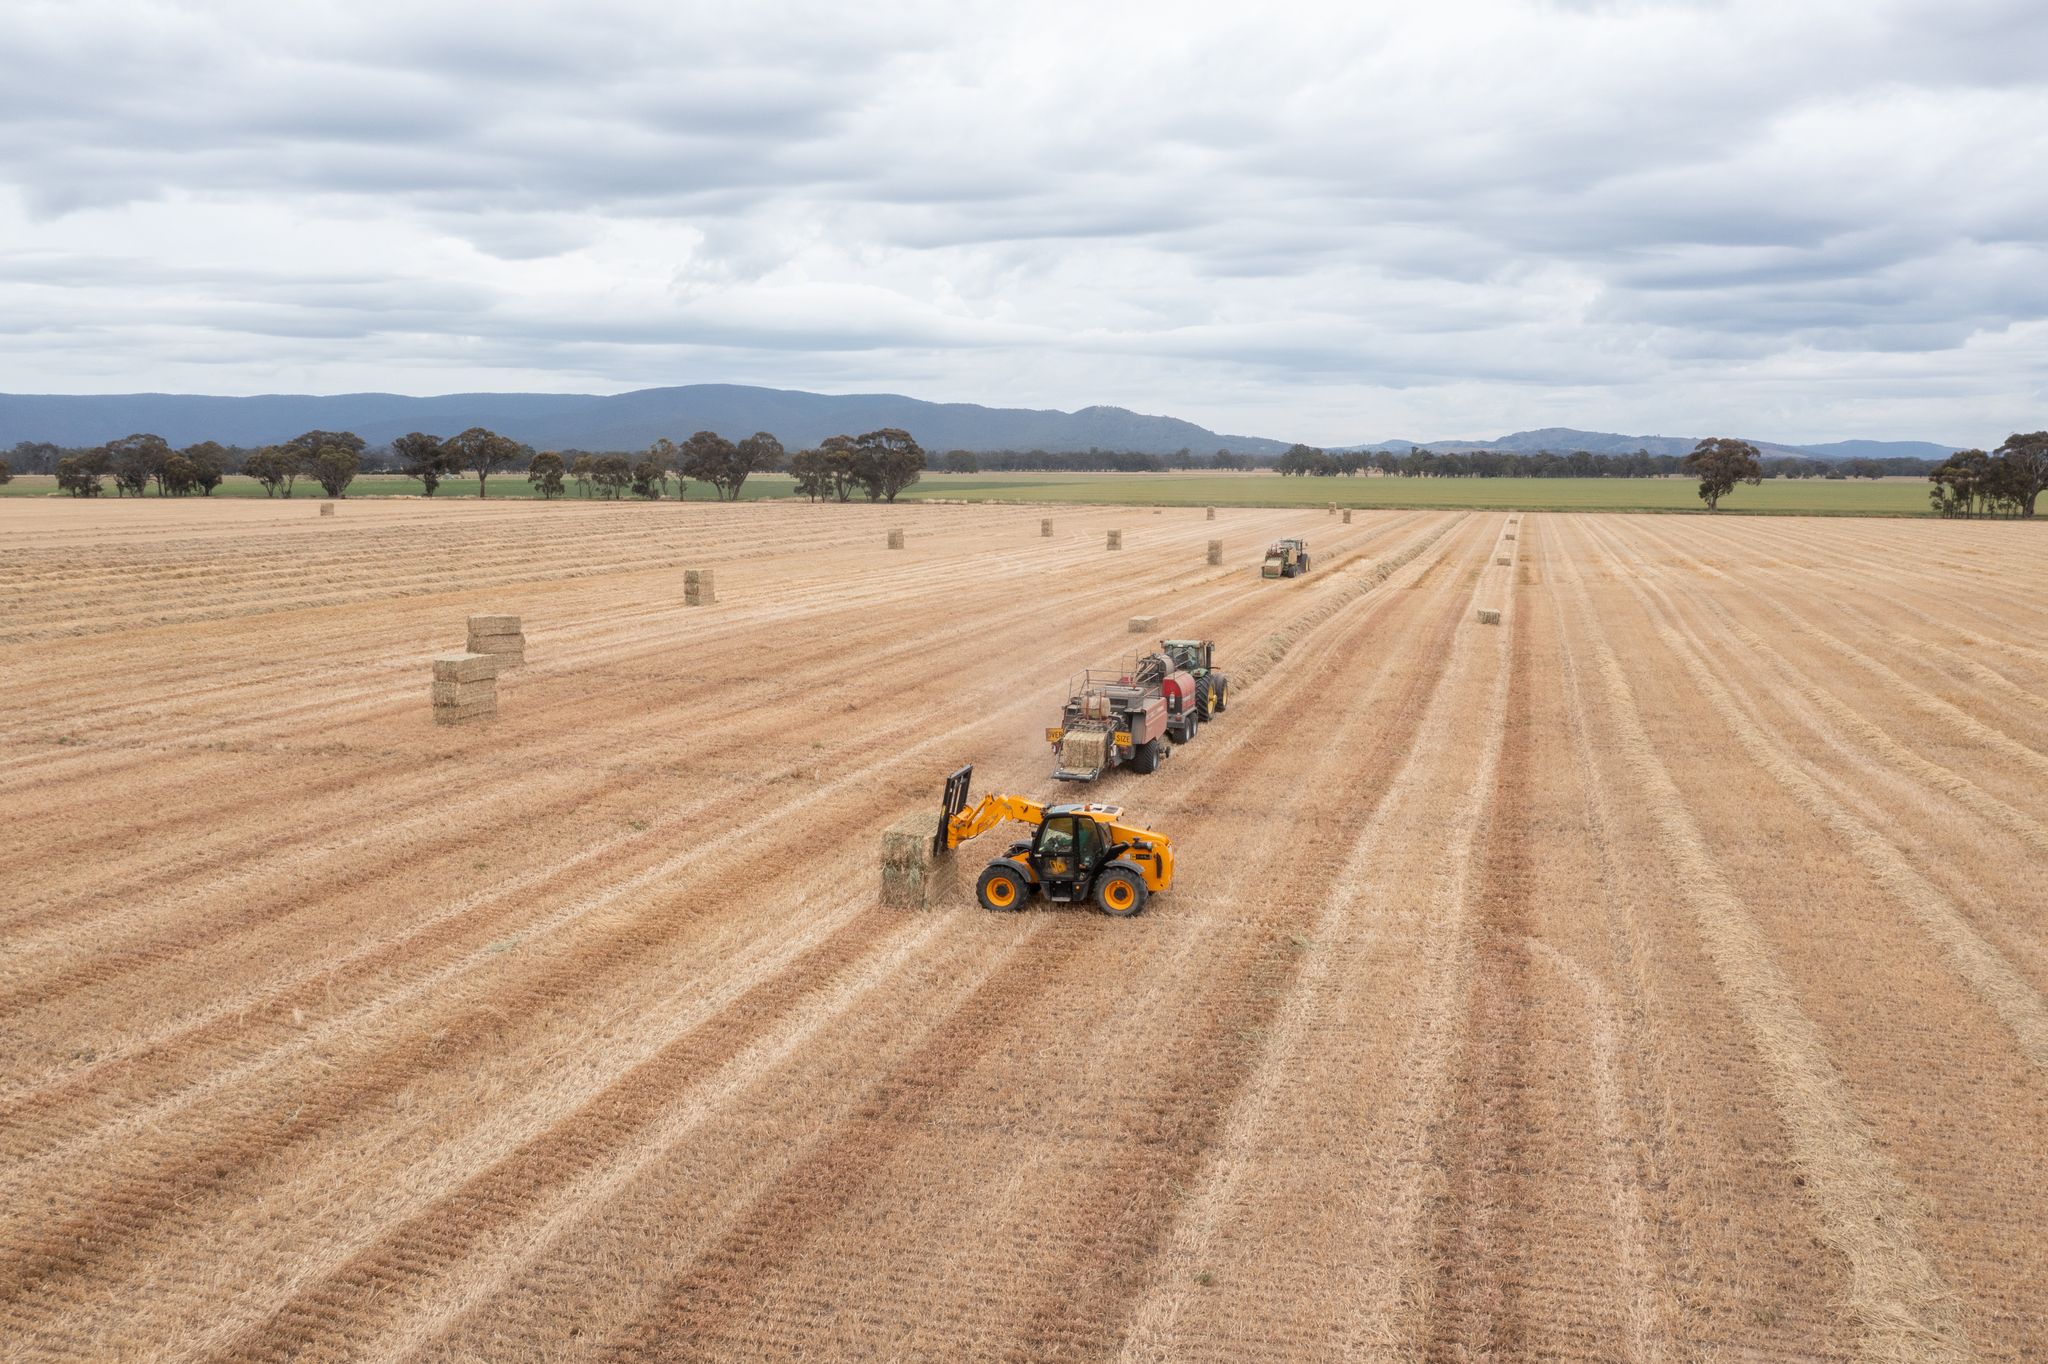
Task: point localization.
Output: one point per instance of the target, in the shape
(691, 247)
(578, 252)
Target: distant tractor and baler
(1285, 559)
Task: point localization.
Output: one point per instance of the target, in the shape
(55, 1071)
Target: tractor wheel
(1146, 760)
(1220, 703)
(1205, 700)
(1120, 890)
(1002, 887)
(1304, 563)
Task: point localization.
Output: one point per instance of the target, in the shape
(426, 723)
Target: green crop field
(1804, 497)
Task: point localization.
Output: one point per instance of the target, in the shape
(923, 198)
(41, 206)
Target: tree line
(2005, 482)
(878, 465)
(1421, 462)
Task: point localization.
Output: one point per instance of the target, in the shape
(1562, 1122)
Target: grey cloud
(1367, 212)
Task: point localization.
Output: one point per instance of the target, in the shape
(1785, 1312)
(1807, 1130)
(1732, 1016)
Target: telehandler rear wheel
(1120, 890)
(1002, 887)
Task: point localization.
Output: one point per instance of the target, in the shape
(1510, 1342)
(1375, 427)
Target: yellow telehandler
(1075, 853)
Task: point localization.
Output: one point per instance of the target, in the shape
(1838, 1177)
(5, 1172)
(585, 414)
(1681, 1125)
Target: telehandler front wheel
(1120, 890)
(1002, 887)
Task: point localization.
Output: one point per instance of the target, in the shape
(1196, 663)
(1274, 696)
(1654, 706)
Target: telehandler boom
(1076, 852)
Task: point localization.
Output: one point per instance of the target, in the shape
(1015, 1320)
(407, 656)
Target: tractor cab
(1068, 851)
(1189, 655)
(1068, 848)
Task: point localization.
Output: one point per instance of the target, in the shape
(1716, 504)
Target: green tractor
(1197, 658)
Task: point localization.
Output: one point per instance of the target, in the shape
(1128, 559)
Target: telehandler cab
(1075, 853)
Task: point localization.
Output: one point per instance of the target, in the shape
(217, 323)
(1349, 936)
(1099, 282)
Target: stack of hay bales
(907, 861)
(327, 509)
(1211, 516)
(1045, 528)
(1502, 560)
(1215, 551)
(1144, 625)
(697, 587)
(895, 539)
(498, 636)
(465, 688)
(1510, 535)
(1489, 616)
(1333, 509)
(1347, 516)
(1116, 539)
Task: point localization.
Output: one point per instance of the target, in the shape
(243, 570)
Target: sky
(1800, 220)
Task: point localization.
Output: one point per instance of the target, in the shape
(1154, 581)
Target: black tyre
(1120, 890)
(1003, 887)
(1146, 760)
(1304, 563)
(1289, 571)
(1220, 701)
(1205, 696)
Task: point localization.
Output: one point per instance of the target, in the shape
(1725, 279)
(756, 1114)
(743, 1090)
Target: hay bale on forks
(907, 861)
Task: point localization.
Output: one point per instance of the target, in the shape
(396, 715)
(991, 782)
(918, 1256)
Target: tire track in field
(1477, 1304)
(1867, 1215)
(1151, 1327)
(1980, 966)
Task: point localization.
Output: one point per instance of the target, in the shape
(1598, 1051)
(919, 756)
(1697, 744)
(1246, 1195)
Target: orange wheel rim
(1001, 891)
(1119, 894)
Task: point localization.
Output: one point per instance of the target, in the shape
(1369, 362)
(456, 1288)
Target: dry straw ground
(1656, 975)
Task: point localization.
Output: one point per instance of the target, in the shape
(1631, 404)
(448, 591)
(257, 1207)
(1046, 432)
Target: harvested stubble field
(1656, 975)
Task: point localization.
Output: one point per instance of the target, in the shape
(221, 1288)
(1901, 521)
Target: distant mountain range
(633, 421)
(1564, 440)
(625, 421)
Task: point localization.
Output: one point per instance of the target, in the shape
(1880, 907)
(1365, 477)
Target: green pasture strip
(1796, 497)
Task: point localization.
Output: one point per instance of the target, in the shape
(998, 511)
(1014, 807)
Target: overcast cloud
(1798, 220)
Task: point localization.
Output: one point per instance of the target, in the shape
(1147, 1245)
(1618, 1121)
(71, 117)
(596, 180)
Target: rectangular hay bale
(698, 588)
(907, 861)
(1045, 528)
(1143, 625)
(1116, 540)
(465, 693)
(1489, 616)
(327, 509)
(456, 715)
(1347, 516)
(493, 625)
(895, 539)
(465, 667)
(1215, 551)
(1211, 516)
(505, 647)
